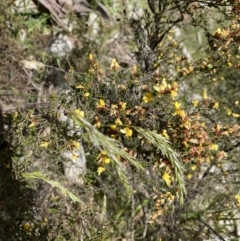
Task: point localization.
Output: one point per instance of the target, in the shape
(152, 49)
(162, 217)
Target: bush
(160, 138)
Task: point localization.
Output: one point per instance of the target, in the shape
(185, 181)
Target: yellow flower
(167, 178)
(28, 226)
(113, 127)
(90, 57)
(195, 103)
(118, 121)
(79, 86)
(127, 131)
(103, 152)
(187, 124)
(218, 127)
(100, 170)
(114, 64)
(75, 156)
(43, 222)
(122, 105)
(79, 112)
(44, 144)
(193, 167)
(122, 87)
(181, 113)
(237, 196)
(213, 147)
(114, 107)
(178, 111)
(159, 88)
(101, 103)
(76, 145)
(175, 85)
(205, 96)
(235, 115)
(170, 197)
(86, 94)
(216, 105)
(165, 134)
(106, 160)
(103, 157)
(148, 97)
(177, 105)
(229, 112)
(189, 176)
(32, 124)
(174, 94)
(98, 124)
(134, 70)
(185, 143)
(16, 114)
(73, 144)
(164, 83)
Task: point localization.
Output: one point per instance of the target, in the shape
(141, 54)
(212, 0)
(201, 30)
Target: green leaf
(63, 190)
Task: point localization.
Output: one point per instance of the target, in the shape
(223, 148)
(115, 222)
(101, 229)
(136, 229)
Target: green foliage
(160, 133)
(41, 176)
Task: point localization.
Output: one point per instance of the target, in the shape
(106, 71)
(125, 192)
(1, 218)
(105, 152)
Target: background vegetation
(153, 92)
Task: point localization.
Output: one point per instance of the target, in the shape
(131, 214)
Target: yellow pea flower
(193, 167)
(114, 64)
(90, 57)
(174, 94)
(148, 97)
(134, 70)
(216, 105)
(167, 178)
(100, 170)
(205, 96)
(165, 134)
(79, 112)
(127, 131)
(86, 94)
(101, 103)
(118, 121)
(189, 176)
(122, 105)
(28, 226)
(213, 147)
(44, 144)
(159, 88)
(236, 115)
(177, 105)
(195, 103)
